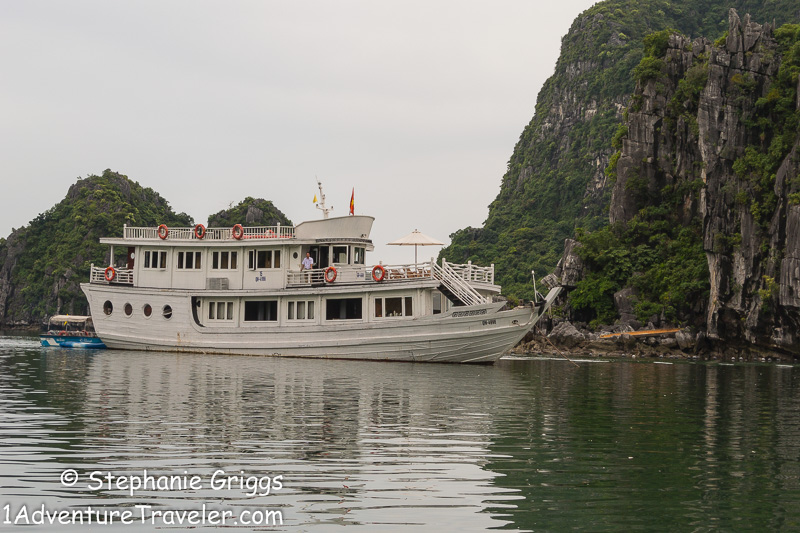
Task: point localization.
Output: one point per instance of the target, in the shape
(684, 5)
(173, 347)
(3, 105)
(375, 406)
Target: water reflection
(523, 445)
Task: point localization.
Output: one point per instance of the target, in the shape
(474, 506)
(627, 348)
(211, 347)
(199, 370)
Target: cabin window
(437, 303)
(263, 259)
(358, 255)
(155, 259)
(343, 309)
(220, 310)
(224, 260)
(340, 254)
(189, 261)
(261, 311)
(301, 310)
(393, 307)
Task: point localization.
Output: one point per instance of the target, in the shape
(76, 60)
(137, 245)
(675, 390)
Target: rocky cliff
(713, 137)
(556, 182)
(43, 263)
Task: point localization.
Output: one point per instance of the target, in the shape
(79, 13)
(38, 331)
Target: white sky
(415, 104)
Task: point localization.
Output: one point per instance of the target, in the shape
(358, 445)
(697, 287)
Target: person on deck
(308, 262)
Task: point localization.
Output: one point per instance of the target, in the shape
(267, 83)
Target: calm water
(523, 445)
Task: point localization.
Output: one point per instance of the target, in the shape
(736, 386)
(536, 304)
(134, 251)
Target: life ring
(110, 273)
(199, 231)
(330, 275)
(378, 273)
(163, 231)
(237, 232)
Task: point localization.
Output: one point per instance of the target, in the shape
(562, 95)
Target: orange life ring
(163, 231)
(199, 231)
(330, 275)
(110, 273)
(237, 232)
(378, 273)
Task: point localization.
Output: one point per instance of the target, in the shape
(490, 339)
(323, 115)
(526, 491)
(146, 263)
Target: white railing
(361, 274)
(460, 287)
(470, 272)
(212, 234)
(121, 275)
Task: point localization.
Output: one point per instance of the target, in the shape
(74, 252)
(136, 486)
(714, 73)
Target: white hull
(467, 334)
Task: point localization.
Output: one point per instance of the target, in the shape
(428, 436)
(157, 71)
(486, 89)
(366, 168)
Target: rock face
(43, 263)
(719, 146)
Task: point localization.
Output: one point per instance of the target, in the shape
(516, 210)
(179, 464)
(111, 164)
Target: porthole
(128, 309)
(167, 312)
(108, 307)
(294, 255)
(147, 310)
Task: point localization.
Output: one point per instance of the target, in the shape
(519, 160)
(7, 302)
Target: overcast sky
(415, 104)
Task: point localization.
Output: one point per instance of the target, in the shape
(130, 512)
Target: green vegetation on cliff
(42, 264)
(556, 180)
(249, 212)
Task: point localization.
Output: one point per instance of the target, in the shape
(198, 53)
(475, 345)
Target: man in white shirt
(308, 262)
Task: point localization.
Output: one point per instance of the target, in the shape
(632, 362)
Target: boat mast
(321, 204)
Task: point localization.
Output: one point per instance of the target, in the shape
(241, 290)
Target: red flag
(352, 202)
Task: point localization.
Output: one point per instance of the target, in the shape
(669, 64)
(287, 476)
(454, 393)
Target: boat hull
(471, 334)
(70, 341)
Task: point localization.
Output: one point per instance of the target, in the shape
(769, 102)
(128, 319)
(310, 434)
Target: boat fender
(163, 231)
(330, 275)
(237, 232)
(110, 273)
(378, 273)
(199, 231)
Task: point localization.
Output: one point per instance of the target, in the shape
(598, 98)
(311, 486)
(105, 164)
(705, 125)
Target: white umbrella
(415, 238)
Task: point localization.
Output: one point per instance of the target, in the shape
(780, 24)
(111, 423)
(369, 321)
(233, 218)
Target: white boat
(242, 290)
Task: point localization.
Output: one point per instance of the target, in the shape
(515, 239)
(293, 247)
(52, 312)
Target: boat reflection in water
(390, 445)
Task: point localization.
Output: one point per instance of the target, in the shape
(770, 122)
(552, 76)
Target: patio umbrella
(415, 238)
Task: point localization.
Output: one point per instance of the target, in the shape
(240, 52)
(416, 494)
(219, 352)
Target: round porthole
(128, 309)
(167, 312)
(108, 307)
(147, 310)
(295, 255)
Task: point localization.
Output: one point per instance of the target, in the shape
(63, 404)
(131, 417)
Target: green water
(525, 445)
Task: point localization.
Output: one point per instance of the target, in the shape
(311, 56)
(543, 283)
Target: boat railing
(360, 274)
(211, 234)
(470, 272)
(122, 276)
(460, 288)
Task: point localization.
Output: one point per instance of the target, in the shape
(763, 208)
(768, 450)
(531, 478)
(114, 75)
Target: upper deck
(354, 229)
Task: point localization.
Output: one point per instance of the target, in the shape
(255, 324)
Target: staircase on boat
(455, 287)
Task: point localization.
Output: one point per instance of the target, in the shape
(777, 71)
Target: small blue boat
(71, 331)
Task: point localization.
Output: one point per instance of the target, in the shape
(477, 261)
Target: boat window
(189, 261)
(393, 307)
(166, 312)
(262, 259)
(358, 255)
(128, 309)
(261, 310)
(108, 307)
(155, 259)
(437, 303)
(224, 260)
(147, 310)
(343, 309)
(304, 310)
(220, 310)
(340, 254)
